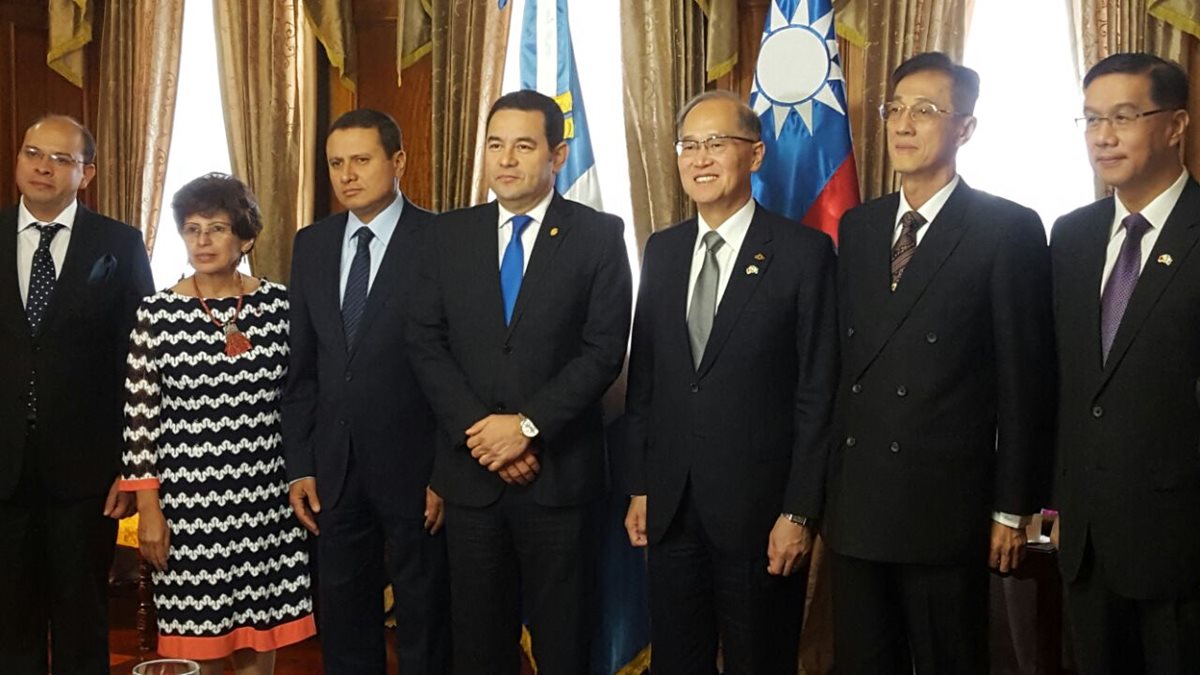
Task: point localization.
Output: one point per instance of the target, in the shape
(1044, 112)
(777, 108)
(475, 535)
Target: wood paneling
(30, 89)
(409, 104)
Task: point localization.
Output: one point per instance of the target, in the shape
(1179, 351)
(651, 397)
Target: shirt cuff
(297, 480)
(1009, 519)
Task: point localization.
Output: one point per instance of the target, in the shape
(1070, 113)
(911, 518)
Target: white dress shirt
(528, 235)
(929, 210)
(1155, 213)
(382, 226)
(28, 237)
(733, 231)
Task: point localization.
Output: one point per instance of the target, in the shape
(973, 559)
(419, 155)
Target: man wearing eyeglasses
(75, 279)
(945, 406)
(1127, 312)
(732, 374)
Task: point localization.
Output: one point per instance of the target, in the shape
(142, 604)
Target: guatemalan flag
(808, 173)
(548, 66)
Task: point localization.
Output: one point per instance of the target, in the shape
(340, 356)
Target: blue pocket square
(102, 269)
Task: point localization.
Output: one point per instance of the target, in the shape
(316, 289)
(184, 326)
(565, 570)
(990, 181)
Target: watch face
(528, 428)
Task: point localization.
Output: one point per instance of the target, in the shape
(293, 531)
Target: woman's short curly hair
(216, 192)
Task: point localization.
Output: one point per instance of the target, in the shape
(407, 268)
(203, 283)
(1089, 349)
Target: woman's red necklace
(236, 341)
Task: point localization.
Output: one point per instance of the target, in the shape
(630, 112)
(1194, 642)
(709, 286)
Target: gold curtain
(469, 42)
(661, 51)
(721, 37)
(70, 31)
(414, 25)
(267, 68)
(879, 35)
(1104, 27)
(139, 69)
(332, 21)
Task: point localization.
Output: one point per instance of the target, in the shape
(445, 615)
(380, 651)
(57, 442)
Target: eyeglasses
(214, 231)
(715, 144)
(1121, 119)
(58, 159)
(919, 113)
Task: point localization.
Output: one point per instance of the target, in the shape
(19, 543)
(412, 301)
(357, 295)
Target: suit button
(902, 391)
(507, 349)
(851, 442)
(342, 423)
(931, 337)
(500, 407)
(693, 387)
(1097, 411)
(850, 332)
(856, 388)
(894, 447)
(349, 376)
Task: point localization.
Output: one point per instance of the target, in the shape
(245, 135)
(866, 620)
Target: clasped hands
(497, 443)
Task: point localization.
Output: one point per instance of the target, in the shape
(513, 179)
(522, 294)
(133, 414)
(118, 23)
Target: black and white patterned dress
(203, 428)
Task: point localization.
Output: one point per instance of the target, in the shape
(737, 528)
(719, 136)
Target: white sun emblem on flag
(796, 62)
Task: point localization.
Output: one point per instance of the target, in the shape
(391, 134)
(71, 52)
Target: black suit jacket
(564, 347)
(78, 354)
(749, 428)
(1128, 467)
(369, 396)
(945, 407)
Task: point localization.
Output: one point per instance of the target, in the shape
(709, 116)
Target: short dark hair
(1168, 81)
(749, 122)
(529, 100)
(216, 192)
(85, 134)
(367, 118)
(965, 80)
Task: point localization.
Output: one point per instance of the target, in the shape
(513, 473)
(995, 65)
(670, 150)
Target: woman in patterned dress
(207, 360)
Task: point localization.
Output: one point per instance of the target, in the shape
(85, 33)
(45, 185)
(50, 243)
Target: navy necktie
(357, 284)
(41, 277)
(512, 266)
(1121, 281)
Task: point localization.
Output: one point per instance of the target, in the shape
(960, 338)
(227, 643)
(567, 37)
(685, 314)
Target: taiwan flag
(808, 173)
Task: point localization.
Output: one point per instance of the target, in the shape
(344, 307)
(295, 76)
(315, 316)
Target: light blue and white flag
(548, 66)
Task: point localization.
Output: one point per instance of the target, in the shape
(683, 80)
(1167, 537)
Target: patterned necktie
(704, 297)
(1122, 279)
(41, 277)
(512, 266)
(357, 284)
(906, 246)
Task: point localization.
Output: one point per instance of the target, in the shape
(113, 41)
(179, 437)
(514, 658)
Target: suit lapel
(554, 229)
(1095, 249)
(743, 281)
(1177, 240)
(328, 301)
(677, 276)
(12, 310)
(82, 252)
(387, 279)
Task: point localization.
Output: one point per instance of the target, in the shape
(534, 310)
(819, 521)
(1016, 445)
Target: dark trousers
(1116, 635)
(54, 560)
(364, 540)
(894, 618)
(698, 593)
(513, 560)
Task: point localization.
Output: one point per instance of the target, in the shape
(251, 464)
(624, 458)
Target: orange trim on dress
(246, 637)
(135, 484)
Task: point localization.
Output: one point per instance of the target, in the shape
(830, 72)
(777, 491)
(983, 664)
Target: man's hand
(787, 547)
(1054, 532)
(1008, 547)
(154, 535)
(635, 520)
(303, 496)
(496, 440)
(435, 513)
(119, 504)
(522, 470)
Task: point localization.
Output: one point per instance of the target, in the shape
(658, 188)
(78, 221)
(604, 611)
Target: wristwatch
(528, 428)
(799, 520)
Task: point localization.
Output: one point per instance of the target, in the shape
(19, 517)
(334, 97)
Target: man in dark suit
(1127, 312)
(76, 279)
(732, 376)
(521, 326)
(945, 406)
(358, 433)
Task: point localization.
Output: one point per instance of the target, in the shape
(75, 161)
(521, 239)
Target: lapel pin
(753, 269)
(759, 257)
(554, 232)
(1165, 259)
